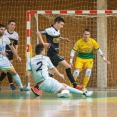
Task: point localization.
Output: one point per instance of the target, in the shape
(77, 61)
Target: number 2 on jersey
(40, 65)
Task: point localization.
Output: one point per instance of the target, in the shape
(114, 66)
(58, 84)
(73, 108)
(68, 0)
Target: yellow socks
(86, 80)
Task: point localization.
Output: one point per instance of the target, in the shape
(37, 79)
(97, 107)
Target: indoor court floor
(25, 104)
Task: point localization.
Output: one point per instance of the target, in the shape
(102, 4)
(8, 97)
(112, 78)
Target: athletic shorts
(83, 63)
(5, 65)
(56, 59)
(50, 85)
(10, 55)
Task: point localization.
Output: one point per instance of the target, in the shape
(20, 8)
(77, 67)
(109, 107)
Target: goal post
(76, 22)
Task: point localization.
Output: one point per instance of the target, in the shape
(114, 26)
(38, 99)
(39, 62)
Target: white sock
(73, 90)
(18, 81)
(28, 85)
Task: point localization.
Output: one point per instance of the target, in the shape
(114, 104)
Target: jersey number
(40, 65)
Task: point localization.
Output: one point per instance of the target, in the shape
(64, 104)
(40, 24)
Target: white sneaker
(88, 93)
(64, 94)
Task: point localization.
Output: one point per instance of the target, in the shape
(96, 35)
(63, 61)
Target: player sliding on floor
(39, 65)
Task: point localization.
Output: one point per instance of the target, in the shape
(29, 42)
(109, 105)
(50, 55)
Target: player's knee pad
(76, 73)
(88, 73)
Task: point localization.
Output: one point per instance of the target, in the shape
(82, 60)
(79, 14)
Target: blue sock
(73, 90)
(18, 81)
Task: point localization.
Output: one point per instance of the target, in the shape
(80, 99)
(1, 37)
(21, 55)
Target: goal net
(102, 25)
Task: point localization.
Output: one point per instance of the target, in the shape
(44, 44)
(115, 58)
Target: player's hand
(66, 39)
(61, 75)
(106, 61)
(71, 64)
(4, 53)
(18, 59)
(47, 44)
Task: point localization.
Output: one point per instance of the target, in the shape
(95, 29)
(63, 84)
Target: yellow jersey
(85, 49)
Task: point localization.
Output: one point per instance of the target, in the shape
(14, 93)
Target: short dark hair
(11, 21)
(59, 19)
(2, 25)
(86, 30)
(39, 48)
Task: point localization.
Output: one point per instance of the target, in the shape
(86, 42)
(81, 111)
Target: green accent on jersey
(86, 55)
(97, 49)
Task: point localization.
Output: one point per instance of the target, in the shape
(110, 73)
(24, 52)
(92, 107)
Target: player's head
(86, 34)
(58, 22)
(11, 25)
(39, 49)
(2, 29)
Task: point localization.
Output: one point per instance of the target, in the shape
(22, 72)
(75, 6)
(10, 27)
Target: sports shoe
(84, 89)
(12, 86)
(88, 93)
(79, 87)
(25, 89)
(35, 91)
(64, 94)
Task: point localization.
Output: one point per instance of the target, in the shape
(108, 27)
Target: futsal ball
(65, 93)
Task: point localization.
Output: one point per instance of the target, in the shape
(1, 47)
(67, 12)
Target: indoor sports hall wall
(16, 9)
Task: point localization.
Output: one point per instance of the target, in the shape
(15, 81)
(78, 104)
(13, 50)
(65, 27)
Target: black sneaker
(12, 86)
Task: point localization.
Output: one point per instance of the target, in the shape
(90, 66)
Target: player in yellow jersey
(85, 47)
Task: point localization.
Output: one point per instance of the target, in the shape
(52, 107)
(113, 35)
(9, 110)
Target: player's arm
(16, 45)
(53, 68)
(65, 39)
(14, 52)
(72, 53)
(39, 35)
(96, 46)
(102, 55)
(57, 72)
(3, 53)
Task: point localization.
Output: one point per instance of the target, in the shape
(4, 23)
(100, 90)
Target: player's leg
(8, 67)
(74, 91)
(87, 76)
(59, 60)
(79, 63)
(51, 85)
(10, 79)
(35, 89)
(64, 64)
(76, 73)
(88, 66)
(17, 80)
(3, 75)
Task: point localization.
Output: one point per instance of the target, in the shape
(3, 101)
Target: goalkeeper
(85, 47)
